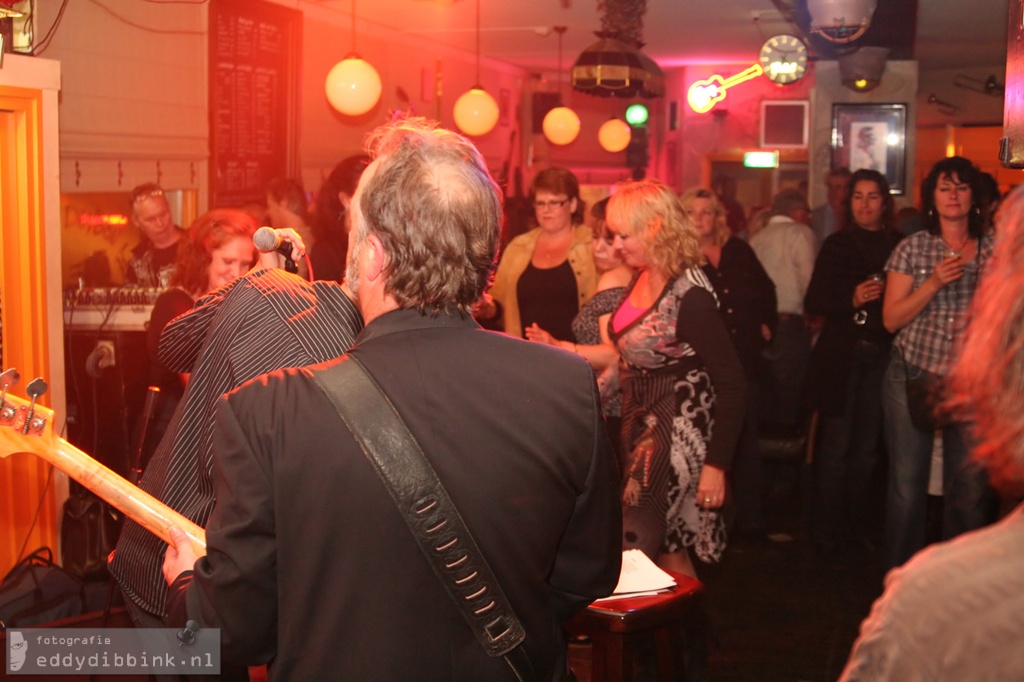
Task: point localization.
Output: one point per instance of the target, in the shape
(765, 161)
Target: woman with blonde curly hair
(680, 376)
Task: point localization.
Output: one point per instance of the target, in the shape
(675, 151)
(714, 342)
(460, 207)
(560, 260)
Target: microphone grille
(265, 239)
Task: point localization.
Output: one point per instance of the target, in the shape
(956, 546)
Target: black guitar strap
(428, 510)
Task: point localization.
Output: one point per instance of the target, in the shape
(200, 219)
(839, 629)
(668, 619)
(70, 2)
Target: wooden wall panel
(27, 494)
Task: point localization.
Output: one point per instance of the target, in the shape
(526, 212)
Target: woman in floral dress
(682, 383)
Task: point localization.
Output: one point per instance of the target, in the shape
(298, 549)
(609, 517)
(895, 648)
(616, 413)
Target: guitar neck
(137, 504)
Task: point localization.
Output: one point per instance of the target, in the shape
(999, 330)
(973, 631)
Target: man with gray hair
(786, 248)
(830, 217)
(310, 566)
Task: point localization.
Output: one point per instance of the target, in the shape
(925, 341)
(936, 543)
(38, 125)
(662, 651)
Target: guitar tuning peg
(9, 377)
(36, 388)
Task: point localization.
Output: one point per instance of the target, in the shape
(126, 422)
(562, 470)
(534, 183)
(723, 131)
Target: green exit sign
(761, 159)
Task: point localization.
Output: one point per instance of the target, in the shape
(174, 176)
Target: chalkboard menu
(254, 71)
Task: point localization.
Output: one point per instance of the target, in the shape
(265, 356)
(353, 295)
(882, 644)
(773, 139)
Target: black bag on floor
(88, 535)
(38, 591)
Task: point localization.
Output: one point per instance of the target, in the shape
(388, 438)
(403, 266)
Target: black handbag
(925, 397)
(38, 591)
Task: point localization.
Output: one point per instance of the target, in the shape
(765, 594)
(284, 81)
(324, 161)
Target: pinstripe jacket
(261, 322)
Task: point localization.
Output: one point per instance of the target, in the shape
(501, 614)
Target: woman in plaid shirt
(932, 277)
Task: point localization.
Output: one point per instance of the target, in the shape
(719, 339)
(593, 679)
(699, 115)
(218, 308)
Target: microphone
(267, 239)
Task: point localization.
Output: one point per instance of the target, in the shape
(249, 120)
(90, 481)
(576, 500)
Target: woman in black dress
(746, 296)
(848, 363)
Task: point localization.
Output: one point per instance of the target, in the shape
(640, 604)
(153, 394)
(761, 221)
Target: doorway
(755, 187)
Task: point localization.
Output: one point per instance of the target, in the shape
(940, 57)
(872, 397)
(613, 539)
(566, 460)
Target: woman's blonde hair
(986, 383)
(651, 212)
(721, 231)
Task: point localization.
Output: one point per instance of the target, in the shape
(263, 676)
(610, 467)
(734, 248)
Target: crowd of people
(643, 356)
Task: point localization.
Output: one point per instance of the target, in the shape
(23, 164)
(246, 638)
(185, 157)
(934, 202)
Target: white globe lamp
(353, 86)
(561, 125)
(476, 112)
(614, 135)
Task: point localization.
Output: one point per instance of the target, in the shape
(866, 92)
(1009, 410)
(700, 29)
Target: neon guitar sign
(705, 94)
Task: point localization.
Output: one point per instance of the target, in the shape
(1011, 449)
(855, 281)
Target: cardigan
(517, 257)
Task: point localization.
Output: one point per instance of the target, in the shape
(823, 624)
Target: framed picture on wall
(871, 136)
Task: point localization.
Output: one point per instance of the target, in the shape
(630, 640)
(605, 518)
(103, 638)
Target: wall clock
(784, 59)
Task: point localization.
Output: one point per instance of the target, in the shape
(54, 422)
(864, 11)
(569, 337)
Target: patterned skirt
(675, 410)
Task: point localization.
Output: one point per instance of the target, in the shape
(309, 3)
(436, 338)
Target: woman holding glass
(546, 275)
(848, 363)
(680, 378)
(932, 277)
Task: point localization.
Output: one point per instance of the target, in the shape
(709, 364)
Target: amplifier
(114, 309)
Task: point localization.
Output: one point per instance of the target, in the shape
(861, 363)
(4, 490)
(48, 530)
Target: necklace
(956, 251)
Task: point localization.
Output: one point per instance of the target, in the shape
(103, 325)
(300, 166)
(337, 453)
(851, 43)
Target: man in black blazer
(310, 565)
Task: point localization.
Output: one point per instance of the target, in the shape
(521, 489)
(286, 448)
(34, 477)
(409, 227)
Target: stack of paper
(640, 576)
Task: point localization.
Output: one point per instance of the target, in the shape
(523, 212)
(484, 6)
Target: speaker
(784, 124)
(638, 150)
(543, 102)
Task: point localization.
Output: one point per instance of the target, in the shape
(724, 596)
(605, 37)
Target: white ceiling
(950, 33)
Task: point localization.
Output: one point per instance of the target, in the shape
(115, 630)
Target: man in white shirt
(786, 247)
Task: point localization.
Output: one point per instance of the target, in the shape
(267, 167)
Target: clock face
(784, 59)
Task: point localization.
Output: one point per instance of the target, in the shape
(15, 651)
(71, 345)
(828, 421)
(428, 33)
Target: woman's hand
(948, 270)
(867, 291)
(535, 333)
(711, 487)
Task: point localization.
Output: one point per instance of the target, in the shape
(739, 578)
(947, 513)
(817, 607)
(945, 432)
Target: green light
(637, 114)
(763, 159)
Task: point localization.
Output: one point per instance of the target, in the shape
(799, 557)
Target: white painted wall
(134, 101)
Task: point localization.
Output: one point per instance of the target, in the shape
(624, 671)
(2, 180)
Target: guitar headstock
(25, 426)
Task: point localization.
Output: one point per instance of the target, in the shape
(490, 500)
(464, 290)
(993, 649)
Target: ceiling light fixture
(353, 85)
(476, 112)
(861, 70)
(841, 21)
(561, 125)
(614, 66)
(610, 68)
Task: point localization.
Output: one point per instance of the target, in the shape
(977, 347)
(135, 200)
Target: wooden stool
(615, 627)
